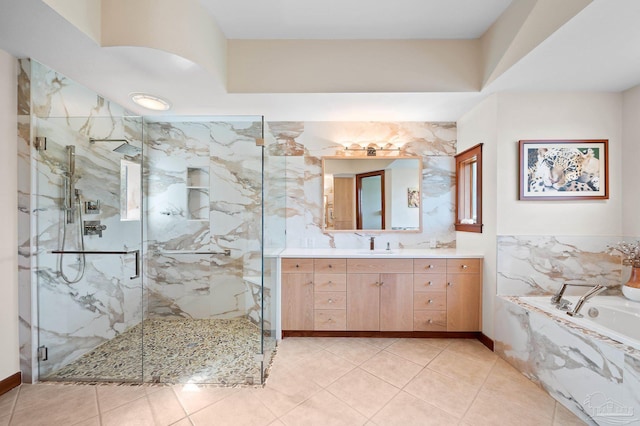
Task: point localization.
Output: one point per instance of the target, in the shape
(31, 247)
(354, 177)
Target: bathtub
(612, 316)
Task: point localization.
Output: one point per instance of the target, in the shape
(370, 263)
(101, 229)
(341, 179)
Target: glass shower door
(89, 231)
(203, 232)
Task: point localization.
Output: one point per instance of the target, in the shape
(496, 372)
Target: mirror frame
(464, 190)
(363, 158)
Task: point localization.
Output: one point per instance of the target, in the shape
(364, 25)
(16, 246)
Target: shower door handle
(136, 252)
(225, 252)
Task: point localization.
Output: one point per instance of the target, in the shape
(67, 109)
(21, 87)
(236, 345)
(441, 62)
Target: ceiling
(355, 19)
(599, 49)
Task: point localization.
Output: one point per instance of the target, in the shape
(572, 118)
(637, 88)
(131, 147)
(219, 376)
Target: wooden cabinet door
(363, 302)
(297, 301)
(396, 302)
(344, 203)
(463, 302)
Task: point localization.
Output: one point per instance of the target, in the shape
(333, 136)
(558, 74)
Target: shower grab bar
(225, 252)
(136, 252)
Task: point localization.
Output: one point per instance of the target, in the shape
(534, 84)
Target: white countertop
(380, 254)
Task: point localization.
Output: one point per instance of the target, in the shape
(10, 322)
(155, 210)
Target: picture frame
(564, 169)
(413, 198)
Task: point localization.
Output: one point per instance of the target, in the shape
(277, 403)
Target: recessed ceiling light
(149, 101)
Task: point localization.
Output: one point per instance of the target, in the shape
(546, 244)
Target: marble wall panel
(591, 375)
(538, 265)
(305, 143)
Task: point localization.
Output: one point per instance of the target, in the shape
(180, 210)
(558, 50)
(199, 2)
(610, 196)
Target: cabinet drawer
(297, 265)
(330, 282)
(330, 300)
(330, 266)
(429, 282)
(432, 301)
(430, 266)
(430, 321)
(330, 319)
(466, 266)
(379, 265)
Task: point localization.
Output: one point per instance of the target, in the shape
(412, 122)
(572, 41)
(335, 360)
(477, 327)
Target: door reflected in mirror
(469, 190)
(375, 194)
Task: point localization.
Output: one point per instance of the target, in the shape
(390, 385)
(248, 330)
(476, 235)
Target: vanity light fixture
(372, 148)
(150, 101)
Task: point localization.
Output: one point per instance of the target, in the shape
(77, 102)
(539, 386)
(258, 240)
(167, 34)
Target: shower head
(128, 149)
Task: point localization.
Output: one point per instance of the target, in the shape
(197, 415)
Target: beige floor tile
(239, 409)
(415, 350)
(45, 404)
(353, 350)
(277, 402)
(4, 419)
(296, 386)
(489, 410)
(184, 422)
(8, 400)
(110, 397)
(363, 391)
(392, 368)
(322, 368)
(439, 343)
(194, 398)
(564, 417)
(407, 410)
(378, 342)
(461, 367)
(94, 421)
(165, 406)
(472, 348)
(323, 409)
(451, 395)
(136, 413)
(508, 384)
(277, 422)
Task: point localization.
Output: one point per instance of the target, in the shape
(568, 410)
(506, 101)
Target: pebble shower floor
(206, 351)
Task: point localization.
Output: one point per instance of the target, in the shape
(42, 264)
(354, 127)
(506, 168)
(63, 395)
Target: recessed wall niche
(198, 193)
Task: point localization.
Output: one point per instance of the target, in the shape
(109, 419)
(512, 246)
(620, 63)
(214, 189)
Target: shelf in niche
(198, 194)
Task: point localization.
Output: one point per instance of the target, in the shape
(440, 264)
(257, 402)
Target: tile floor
(317, 381)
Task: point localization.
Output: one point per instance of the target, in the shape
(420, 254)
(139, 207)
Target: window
(469, 190)
(130, 190)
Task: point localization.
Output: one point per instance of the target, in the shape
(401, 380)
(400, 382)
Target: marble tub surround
(305, 143)
(539, 265)
(590, 374)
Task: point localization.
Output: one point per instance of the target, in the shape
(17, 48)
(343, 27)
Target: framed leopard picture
(564, 169)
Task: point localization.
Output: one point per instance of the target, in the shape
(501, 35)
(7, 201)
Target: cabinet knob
(430, 301)
(330, 300)
(330, 266)
(330, 282)
(429, 283)
(428, 267)
(297, 266)
(429, 321)
(464, 267)
(449, 284)
(310, 282)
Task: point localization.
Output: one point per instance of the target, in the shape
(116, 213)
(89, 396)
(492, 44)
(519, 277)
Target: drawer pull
(464, 267)
(330, 300)
(310, 282)
(429, 267)
(430, 301)
(429, 321)
(429, 283)
(330, 282)
(330, 266)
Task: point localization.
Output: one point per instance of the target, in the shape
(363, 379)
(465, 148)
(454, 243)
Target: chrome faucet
(372, 243)
(557, 299)
(588, 295)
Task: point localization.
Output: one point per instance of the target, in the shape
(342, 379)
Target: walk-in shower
(151, 259)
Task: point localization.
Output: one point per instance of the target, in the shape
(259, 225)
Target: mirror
(372, 194)
(469, 190)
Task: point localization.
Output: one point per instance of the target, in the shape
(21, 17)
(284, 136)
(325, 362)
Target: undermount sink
(376, 252)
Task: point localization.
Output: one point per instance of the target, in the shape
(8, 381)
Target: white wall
(557, 116)
(500, 122)
(630, 169)
(9, 358)
(480, 125)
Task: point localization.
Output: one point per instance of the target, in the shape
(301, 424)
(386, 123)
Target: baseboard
(396, 334)
(10, 382)
(485, 340)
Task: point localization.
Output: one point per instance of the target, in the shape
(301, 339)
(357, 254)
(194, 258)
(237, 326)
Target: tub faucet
(588, 295)
(372, 243)
(557, 299)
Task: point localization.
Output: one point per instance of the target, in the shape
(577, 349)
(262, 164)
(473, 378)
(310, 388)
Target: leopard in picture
(563, 169)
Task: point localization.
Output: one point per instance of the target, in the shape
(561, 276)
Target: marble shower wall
(539, 265)
(305, 143)
(204, 195)
(71, 318)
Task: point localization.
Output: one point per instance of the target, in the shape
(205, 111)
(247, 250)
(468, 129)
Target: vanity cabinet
(378, 294)
(297, 294)
(364, 294)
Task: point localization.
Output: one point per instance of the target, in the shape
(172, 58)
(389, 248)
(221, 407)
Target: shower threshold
(174, 351)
